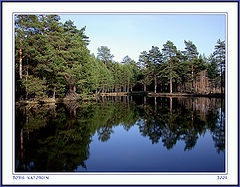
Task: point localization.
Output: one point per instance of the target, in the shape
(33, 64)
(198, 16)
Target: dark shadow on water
(52, 138)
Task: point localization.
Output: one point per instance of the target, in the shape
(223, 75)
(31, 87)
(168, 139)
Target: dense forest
(53, 61)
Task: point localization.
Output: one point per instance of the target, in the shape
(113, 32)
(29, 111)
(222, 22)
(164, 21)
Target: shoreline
(115, 94)
(217, 95)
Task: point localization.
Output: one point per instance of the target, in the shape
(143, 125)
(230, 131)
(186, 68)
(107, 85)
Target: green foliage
(144, 75)
(128, 73)
(57, 53)
(104, 54)
(154, 60)
(53, 51)
(220, 55)
(34, 86)
(212, 68)
(169, 68)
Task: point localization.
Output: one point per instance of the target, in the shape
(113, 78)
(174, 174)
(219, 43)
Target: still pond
(122, 134)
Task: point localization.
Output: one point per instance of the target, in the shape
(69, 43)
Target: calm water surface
(137, 134)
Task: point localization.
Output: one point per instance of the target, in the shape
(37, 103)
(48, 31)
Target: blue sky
(132, 34)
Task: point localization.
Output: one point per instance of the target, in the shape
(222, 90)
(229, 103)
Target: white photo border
(9, 177)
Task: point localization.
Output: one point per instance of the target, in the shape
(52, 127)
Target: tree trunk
(74, 89)
(105, 61)
(74, 112)
(170, 63)
(103, 99)
(20, 63)
(221, 79)
(192, 80)
(26, 80)
(54, 92)
(171, 85)
(144, 87)
(155, 84)
(171, 105)
(20, 50)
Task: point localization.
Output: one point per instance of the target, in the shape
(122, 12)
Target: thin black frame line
(13, 95)
(122, 13)
(226, 96)
(124, 1)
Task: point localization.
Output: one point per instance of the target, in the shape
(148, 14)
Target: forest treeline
(53, 61)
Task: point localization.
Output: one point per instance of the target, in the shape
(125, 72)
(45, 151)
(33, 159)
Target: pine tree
(169, 55)
(104, 54)
(192, 55)
(131, 72)
(153, 64)
(219, 54)
(212, 71)
(26, 32)
(144, 76)
(75, 56)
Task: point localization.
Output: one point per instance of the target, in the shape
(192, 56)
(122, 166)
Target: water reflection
(58, 137)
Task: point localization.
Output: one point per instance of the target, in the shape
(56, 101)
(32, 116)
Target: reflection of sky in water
(150, 134)
(130, 151)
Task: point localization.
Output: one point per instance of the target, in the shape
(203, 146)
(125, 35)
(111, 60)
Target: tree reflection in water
(58, 137)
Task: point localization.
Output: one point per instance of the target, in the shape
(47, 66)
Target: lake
(122, 134)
